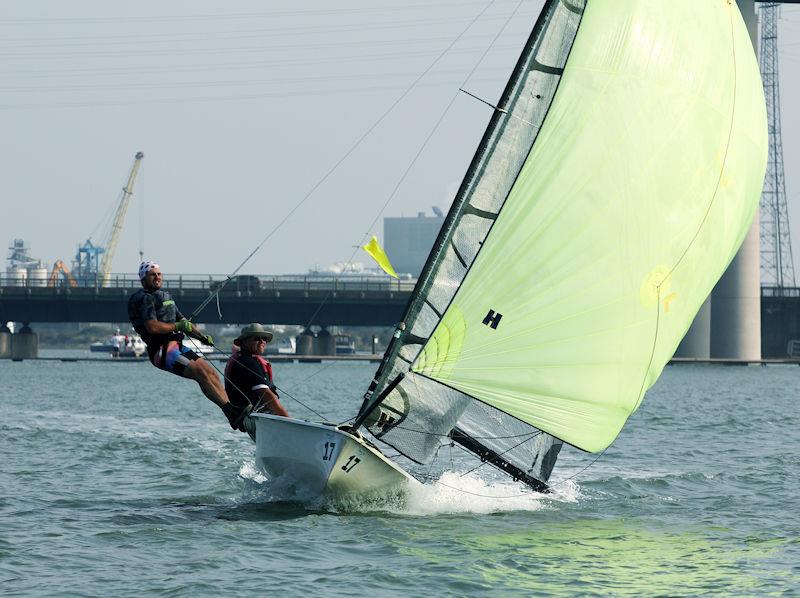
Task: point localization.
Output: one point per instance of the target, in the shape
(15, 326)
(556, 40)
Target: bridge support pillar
(24, 344)
(697, 342)
(304, 343)
(5, 342)
(325, 343)
(736, 299)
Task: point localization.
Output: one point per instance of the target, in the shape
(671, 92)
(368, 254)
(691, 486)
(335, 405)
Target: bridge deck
(244, 299)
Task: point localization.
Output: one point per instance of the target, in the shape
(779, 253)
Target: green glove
(183, 326)
(207, 340)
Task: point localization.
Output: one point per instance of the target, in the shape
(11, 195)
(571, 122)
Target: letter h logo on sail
(492, 319)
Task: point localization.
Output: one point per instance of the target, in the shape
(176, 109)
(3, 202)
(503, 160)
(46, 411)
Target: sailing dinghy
(619, 173)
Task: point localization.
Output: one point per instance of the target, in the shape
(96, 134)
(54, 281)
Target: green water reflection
(602, 556)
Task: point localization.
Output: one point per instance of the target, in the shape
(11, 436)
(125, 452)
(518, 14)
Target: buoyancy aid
(231, 388)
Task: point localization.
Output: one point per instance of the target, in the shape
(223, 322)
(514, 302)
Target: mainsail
(610, 191)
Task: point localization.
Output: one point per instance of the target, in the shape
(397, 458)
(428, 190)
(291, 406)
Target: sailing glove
(183, 326)
(207, 340)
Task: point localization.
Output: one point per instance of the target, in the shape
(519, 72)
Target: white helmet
(145, 267)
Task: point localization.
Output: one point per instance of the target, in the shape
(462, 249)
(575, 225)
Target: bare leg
(209, 382)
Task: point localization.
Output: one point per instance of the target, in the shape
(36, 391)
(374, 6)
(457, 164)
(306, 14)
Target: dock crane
(104, 270)
(89, 268)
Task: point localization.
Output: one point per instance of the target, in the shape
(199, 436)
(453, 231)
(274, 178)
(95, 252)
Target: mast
(499, 156)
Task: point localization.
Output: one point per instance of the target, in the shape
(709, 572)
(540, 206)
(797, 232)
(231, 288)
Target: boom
(119, 219)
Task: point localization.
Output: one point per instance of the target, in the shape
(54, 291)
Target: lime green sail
(636, 195)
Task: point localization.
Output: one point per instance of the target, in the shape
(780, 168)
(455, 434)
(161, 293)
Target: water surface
(118, 479)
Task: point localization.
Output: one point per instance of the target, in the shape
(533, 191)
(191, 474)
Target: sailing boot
(236, 415)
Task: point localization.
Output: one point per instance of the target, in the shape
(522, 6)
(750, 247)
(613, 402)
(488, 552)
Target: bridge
(299, 300)
(322, 300)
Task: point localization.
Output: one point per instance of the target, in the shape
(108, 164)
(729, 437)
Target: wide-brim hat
(253, 330)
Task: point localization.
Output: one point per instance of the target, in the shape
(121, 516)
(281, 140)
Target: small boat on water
(345, 345)
(618, 176)
(282, 346)
(120, 345)
(196, 345)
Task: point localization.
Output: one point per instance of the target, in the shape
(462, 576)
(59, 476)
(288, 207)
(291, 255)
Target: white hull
(313, 459)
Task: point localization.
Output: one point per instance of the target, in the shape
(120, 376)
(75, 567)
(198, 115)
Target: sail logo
(492, 319)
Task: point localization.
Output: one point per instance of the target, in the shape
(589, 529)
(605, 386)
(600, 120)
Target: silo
(17, 276)
(305, 343)
(325, 343)
(37, 276)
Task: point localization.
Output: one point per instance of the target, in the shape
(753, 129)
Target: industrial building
(408, 240)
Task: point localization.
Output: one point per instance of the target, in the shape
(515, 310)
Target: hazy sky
(242, 108)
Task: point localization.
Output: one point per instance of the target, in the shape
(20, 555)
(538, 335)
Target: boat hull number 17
(327, 455)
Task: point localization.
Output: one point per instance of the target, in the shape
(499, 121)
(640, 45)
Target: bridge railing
(241, 283)
(769, 291)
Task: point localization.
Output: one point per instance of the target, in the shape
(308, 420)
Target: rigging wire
(342, 159)
(422, 147)
(283, 392)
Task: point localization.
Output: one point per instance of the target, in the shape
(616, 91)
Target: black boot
(236, 415)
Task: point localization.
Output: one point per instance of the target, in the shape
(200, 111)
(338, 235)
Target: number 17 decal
(351, 463)
(329, 446)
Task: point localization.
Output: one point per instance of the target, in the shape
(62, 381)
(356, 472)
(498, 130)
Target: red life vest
(266, 366)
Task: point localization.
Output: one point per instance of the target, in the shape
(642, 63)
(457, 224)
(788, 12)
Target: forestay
(607, 197)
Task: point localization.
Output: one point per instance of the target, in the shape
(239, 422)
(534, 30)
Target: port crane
(88, 261)
(119, 219)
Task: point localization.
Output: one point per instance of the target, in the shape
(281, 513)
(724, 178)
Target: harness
(157, 344)
(160, 345)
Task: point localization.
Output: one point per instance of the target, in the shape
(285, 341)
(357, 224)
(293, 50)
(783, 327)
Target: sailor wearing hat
(155, 316)
(248, 376)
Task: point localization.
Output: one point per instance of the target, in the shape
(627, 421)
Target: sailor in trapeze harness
(156, 318)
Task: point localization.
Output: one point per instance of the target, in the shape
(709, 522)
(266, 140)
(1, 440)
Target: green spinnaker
(635, 197)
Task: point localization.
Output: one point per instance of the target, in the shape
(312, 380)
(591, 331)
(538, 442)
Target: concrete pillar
(25, 344)
(325, 343)
(304, 343)
(5, 342)
(736, 300)
(697, 342)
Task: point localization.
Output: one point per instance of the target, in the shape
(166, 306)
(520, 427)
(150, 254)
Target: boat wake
(450, 493)
(453, 492)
